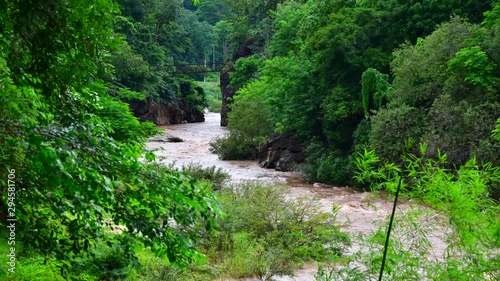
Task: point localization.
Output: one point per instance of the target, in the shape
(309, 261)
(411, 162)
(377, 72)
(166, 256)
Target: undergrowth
(463, 219)
(264, 234)
(213, 95)
(217, 176)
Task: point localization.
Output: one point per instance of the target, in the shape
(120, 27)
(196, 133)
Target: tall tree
(74, 151)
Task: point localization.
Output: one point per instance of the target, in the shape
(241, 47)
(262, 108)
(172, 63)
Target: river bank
(357, 212)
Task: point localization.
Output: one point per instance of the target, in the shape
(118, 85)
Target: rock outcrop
(226, 90)
(227, 95)
(283, 152)
(165, 139)
(161, 113)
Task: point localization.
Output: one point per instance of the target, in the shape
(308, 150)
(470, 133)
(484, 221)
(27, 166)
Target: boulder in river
(166, 139)
(283, 152)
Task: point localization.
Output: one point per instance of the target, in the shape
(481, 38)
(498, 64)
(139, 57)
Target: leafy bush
(248, 257)
(265, 234)
(86, 175)
(215, 175)
(29, 265)
(324, 165)
(193, 95)
(153, 268)
(496, 132)
(233, 147)
(248, 127)
(132, 71)
(462, 208)
(102, 263)
(245, 71)
(124, 126)
(105, 262)
(375, 89)
(249, 119)
(462, 130)
(391, 128)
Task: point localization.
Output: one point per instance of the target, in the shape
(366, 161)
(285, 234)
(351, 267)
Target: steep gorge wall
(161, 113)
(282, 152)
(227, 95)
(225, 80)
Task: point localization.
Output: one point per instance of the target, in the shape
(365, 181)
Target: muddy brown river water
(357, 211)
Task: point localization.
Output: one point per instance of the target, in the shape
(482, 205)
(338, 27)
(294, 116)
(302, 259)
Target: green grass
(29, 265)
(106, 265)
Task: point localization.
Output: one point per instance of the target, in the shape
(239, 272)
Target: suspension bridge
(189, 68)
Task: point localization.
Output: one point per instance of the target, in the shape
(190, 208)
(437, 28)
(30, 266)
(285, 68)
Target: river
(357, 211)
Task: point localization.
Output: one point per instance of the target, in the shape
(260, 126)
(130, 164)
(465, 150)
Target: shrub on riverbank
(248, 127)
(325, 165)
(265, 234)
(217, 176)
(463, 216)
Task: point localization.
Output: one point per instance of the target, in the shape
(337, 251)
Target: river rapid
(357, 211)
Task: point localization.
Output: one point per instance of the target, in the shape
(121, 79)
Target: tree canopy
(370, 74)
(74, 147)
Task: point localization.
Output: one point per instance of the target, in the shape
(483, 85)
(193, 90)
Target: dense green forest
(352, 75)
(372, 88)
